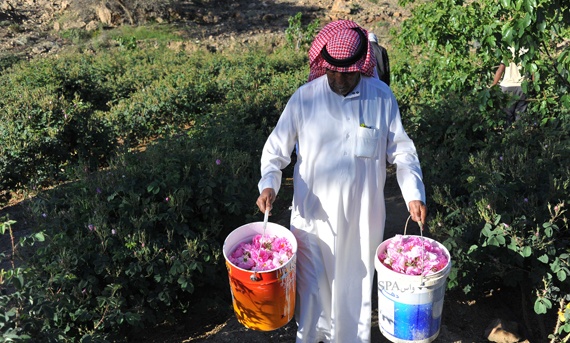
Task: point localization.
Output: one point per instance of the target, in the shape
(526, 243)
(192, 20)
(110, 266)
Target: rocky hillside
(30, 28)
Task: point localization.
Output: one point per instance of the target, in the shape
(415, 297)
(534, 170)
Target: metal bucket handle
(422, 283)
(419, 223)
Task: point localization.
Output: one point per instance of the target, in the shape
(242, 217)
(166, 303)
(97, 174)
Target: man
(511, 83)
(382, 60)
(345, 125)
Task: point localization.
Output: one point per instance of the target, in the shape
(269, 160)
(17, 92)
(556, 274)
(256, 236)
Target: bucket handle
(422, 282)
(420, 224)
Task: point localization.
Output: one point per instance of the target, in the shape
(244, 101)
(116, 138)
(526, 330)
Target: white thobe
(338, 211)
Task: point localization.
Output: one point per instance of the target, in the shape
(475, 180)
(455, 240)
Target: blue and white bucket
(410, 306)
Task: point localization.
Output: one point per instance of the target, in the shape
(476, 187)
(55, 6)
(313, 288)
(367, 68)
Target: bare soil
(218, 25)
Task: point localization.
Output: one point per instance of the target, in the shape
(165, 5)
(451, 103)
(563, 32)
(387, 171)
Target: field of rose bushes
(136, 161)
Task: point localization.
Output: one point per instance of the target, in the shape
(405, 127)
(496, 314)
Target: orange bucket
(262, 300)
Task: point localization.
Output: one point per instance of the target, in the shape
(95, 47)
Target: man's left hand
(418, 211)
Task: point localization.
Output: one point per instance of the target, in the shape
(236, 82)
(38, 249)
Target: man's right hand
(266, 199)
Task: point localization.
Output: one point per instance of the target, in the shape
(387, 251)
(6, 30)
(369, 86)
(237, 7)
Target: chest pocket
(367, 142)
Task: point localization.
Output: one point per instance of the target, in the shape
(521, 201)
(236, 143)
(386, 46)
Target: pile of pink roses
(263, 253)
(414, 255)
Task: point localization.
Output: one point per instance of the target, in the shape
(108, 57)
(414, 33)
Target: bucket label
(416, 321)
(395, 287)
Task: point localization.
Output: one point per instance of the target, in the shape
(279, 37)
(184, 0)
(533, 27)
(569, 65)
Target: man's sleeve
(277, 150)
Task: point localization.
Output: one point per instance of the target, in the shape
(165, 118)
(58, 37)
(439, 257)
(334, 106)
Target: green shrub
(130, 244)
(76, 36)
(298, 36)
(42, 132)
(127, 246)
(496, 191)
(8, 60)
(260, 86)
(61, 112)
(161, 34)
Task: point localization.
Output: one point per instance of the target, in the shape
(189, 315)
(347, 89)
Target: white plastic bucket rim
(425, 281)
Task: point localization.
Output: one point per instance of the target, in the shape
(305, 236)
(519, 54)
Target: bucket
(410, 306)
(262, 300)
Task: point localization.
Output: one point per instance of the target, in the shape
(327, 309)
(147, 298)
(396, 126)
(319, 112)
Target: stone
(64, 6)
(176, 46)
(6, 6)
(104, 14)
(69, 25)
(341, 6)
(92, 25)
(39, 49)
(268, 17)
(502, 331)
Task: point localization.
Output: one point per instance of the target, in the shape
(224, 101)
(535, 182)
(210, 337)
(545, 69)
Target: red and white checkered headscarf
(336, 46)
